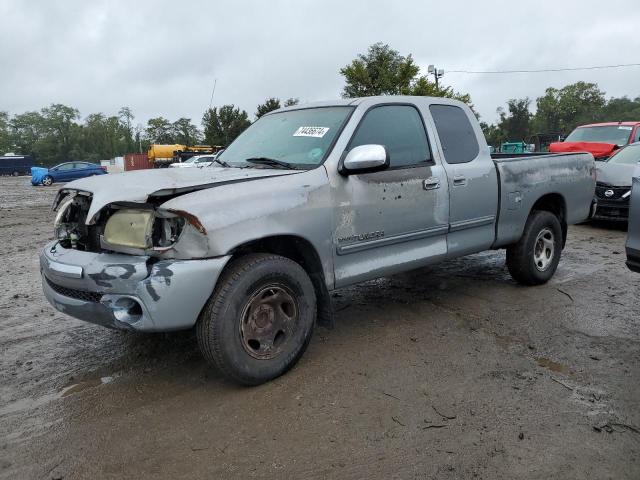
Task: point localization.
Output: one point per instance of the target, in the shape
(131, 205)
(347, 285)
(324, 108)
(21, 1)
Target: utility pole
(437, 74)
(215, 81)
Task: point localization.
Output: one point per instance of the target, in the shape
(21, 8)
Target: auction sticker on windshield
(317, 132)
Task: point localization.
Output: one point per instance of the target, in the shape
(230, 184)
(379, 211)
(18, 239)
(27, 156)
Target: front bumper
(128, 291)
(612, 210)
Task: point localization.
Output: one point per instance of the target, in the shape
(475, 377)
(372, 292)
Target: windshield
(191, 160)
(301, 138)
(627, 156)
(616, 134)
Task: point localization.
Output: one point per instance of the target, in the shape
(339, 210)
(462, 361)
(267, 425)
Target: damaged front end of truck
(115, 266)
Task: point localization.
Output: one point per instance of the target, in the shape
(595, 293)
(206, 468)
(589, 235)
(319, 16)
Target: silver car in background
(613, 187)
(195, 161)
(633, 237)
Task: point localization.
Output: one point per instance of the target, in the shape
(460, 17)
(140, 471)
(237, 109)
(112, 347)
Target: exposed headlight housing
(129, 228)
(141, 231)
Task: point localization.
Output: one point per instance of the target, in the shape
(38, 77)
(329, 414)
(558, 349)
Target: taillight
(102, 167)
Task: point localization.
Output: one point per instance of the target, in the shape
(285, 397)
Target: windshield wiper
(271, 162)
(221, 162)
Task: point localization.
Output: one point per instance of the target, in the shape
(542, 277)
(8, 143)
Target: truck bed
(525, 179)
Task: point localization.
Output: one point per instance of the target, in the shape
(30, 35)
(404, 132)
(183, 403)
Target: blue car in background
(65, 172)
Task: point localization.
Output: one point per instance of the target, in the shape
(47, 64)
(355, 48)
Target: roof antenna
(212, 92)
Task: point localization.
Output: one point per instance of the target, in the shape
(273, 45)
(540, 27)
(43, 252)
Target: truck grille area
(73, 293)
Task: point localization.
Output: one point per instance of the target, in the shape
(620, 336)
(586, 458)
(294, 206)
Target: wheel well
(302, 252)
(554, 203)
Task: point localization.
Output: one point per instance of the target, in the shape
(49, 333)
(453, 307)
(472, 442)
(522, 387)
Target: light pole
(437, 73)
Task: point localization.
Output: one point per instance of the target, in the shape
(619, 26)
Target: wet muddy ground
(452, 371)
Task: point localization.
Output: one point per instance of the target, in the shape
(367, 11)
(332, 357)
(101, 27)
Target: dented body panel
(523, 182)
(358, 226)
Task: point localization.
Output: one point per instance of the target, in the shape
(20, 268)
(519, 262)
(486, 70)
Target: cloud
(161, 57)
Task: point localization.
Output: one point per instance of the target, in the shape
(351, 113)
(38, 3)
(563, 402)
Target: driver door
(395, 219)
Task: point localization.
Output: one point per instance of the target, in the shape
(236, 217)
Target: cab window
(400, 129)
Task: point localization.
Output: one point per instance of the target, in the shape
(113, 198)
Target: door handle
(459, 181)
(431, 183)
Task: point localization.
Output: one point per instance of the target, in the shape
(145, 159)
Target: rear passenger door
(472, 177)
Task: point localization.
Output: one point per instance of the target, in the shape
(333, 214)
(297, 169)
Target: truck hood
(598, 150)
(615, 174)
(141, 185)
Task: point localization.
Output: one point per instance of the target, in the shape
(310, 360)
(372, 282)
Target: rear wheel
(534, 259)
(16, 173)
(259, 320)
(47, 180)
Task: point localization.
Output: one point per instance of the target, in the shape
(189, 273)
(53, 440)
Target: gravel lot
(452, 371)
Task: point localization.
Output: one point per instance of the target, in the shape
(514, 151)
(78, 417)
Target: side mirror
(364, 159)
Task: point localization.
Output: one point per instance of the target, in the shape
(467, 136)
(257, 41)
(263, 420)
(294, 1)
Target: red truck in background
(599, 139)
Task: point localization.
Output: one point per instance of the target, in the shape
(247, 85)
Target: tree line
(57, 133)
(557, 113)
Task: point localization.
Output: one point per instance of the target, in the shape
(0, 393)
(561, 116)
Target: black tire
(47, 180)
(221, 327)
(528, 261)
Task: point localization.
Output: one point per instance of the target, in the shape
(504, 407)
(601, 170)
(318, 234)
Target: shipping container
(136, 161)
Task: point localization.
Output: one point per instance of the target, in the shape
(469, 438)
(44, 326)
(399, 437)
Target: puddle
(506, 340)
(80, 386)
(36, 402)
(551, 365)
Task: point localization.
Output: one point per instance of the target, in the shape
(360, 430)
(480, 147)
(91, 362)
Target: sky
(161, 58)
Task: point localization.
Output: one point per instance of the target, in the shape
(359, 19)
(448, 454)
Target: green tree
(269, 105)
(620, 110)
(423, 87)
(561, 110)
(59, 132)
(290, 102)
(382, 71)
(222, 126)
(126, 118)
(5, 136)
(26, 130)
(185, 132)
(515, 125)
(159, 130)
(493, 134)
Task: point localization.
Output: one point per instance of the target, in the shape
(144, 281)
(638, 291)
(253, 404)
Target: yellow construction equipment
(164, 155)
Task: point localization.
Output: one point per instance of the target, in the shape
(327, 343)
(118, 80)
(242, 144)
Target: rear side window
(456, 134)
(400, 129)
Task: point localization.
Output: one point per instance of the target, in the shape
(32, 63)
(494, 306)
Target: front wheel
(259, 320)
(47, 181)
(534, 259)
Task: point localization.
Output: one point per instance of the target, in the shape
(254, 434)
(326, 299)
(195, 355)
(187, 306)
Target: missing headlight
(69, 225)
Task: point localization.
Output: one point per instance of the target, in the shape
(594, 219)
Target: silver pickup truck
(307, 200)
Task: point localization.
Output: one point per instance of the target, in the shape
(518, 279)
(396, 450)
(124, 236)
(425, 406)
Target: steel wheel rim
(268, 321)
(544, 249)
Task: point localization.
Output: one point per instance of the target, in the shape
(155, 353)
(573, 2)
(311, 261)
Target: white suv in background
(196, 161)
